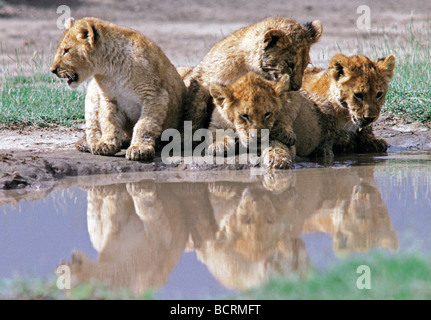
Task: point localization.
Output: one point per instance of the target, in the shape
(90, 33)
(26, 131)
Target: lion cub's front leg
(283, 132)
(111, 124)
(103, 122)
(283, 126)
(368, 143)
(149, 127)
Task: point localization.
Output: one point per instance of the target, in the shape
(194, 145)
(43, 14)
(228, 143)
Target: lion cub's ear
(314, 30)
(282, 87)
(221, 94)
(88, 33)
(387, 65)
(275, 38)
(69, 23)
(339, 66)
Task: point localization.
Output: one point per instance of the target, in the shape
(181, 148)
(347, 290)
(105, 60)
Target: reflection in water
(355, 214)
(244, 232)
(258, 231)
(139, 234)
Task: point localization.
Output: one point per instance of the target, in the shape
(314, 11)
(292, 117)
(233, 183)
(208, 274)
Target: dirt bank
(33, 157)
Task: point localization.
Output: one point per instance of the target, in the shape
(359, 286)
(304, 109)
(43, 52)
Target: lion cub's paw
(102, 191)
(215, 148)
(277, 182)
(276, 158)
(220, 148)
(145, 191)
(145, 188)
(377, 146)
(82, 145)
(222, 190)
(327, 156)
(140, 152)
(103, 148)
(286, 137)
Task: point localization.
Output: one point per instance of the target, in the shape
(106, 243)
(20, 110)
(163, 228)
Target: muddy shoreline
(38, 158)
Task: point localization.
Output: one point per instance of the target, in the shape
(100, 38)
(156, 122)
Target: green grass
(30, 288)
(40, 98)
(30, 94)
(392, 277)
(409, 91)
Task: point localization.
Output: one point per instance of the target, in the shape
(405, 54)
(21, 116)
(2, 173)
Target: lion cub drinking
(271, 48)
(135, 92)
(254, 103)
(356, 86)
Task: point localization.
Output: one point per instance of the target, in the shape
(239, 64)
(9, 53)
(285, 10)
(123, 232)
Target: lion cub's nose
(368, 120)
(54, 70)
(295, 87)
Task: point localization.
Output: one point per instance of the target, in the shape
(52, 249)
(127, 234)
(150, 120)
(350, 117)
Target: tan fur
(354, 214)
(356, 86)
(135, 92)
(125, 224)
(251, 103)
(258, 235)
(271, 48)
(254, 103)
(184, 71)
(313, 126)
(260, 232)
(244, 232)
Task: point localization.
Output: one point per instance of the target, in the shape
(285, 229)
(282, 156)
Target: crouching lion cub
(271, 48)
(356, 86)
(135, 92)
(254, 103)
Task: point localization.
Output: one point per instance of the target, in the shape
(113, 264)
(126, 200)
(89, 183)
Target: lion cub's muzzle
(71, 78)
(363, 122)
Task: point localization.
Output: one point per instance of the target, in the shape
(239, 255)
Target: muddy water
(203, 235)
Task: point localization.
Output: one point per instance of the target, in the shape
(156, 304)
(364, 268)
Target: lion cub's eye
(245, 117)
(268, 115)
(65, 51)
(359, 96)
(379, 95)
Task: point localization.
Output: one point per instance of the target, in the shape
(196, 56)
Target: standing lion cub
(135, 92)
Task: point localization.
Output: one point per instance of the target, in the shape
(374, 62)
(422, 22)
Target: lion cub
(135, 92)
(254, 103)
(356, 86)
(271, 48)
